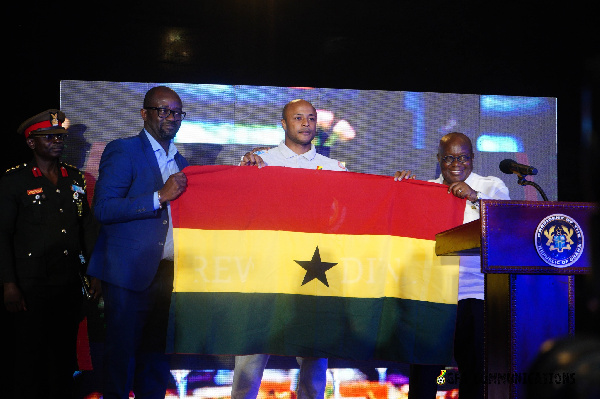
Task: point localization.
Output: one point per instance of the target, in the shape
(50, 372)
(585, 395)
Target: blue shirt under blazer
(130, 245)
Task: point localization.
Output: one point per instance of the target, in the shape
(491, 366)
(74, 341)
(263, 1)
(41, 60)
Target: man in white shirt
(296, 150)
(455, 157)
(299, 121)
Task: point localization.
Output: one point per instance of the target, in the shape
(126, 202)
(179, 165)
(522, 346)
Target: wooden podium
(529, 254)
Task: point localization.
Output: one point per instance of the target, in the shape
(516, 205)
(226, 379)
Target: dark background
(529, 49)
(526, 48)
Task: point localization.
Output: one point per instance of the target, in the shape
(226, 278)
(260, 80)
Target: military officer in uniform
(46, 231)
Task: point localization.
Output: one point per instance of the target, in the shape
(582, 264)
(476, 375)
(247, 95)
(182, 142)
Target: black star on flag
(315, 269)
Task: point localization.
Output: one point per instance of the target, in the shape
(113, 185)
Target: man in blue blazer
(133, 255)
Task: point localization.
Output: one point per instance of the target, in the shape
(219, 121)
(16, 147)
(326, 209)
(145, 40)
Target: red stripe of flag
(313, 201)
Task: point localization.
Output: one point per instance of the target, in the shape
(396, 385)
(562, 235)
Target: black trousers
(423, 381)
(468, 353)
(45, 341)
(469, 348)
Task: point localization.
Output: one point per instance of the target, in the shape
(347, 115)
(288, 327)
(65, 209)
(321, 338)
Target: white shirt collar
(288, 153)
(157, 147)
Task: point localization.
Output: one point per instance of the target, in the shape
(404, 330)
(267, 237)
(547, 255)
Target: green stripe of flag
(296, 325)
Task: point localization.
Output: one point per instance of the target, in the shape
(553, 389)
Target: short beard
(167, 135)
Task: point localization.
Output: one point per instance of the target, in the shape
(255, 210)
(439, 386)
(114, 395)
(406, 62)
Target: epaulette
(68, 165)
(15, 168)
(76, 169)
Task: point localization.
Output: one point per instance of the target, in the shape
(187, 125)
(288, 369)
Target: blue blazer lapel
(181, 161)
(151, 159)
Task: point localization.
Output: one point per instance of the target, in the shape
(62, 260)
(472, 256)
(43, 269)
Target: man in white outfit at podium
(455, 157)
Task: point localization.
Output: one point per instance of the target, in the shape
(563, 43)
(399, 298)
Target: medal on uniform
(38, 195)
(77, 198)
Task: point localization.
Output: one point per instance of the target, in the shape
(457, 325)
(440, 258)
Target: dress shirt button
(29, 254)
(161, 243)
(66, 252)
(61, 210)
(165, 222)
(58, 190)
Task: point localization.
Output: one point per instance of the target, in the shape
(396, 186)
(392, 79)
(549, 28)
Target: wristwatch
(476, 202)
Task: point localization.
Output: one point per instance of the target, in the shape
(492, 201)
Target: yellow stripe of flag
(263, 261)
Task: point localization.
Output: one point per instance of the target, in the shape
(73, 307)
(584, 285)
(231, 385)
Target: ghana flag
(313, 263)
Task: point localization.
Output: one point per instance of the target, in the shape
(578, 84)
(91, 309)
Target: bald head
(298, 101)
(162, 128)
(158, 92)
(455, 138)
(455, 156)
(299, 123)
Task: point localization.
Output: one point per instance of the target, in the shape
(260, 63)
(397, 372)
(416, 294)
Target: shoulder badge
(15, 168)
(559, 240)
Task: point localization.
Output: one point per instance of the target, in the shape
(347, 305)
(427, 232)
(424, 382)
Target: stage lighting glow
(509, 104)
(499, 143)
(227, 133)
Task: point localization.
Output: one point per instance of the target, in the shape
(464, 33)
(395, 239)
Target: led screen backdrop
(372, 131)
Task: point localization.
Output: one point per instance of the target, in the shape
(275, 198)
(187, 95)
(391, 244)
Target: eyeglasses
(51, 137)
(165, 112)
(449, 159)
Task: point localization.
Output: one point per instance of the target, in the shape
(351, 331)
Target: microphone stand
(523, 182)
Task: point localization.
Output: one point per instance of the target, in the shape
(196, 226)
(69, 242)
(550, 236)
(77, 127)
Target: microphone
(509, 166)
